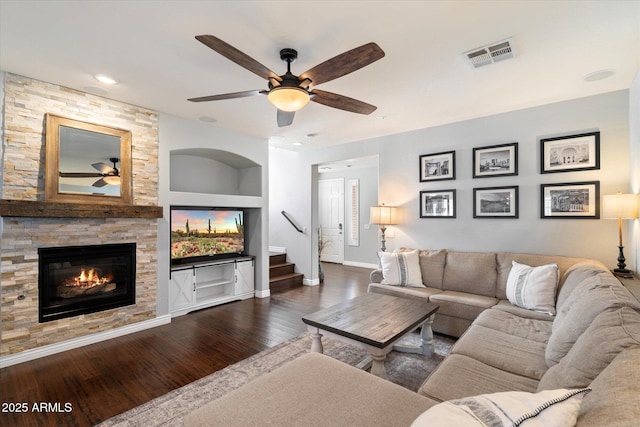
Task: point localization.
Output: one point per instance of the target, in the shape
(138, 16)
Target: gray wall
(632, 245)
(400, 186)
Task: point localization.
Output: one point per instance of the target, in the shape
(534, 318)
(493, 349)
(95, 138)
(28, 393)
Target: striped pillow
(533, 288)
(401, 269)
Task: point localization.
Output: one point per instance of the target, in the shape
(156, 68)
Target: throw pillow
(401, 269)
(533, 288)
(550, 408)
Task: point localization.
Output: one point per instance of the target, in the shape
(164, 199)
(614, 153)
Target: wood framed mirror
(87, 162)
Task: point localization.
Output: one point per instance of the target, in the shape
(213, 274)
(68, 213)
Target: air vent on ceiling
(490, 54)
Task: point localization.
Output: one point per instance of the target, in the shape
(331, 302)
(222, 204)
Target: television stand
(201, 285)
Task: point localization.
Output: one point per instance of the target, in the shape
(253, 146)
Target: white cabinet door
(181, 289)
(244, 277)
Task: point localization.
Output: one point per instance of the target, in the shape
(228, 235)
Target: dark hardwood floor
(88, 385)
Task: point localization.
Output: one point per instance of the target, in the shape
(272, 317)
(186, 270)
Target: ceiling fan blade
(79, 174)
(229, 96)
(285, 118)
(343, 64)
(341, 102)
(240, 58)
(100, 183)
(103, 168)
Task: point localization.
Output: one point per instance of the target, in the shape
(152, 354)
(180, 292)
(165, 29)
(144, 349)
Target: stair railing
(286, 215)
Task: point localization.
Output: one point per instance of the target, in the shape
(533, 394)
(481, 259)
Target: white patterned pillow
(551, 408)
(401, 269)
(533, 288)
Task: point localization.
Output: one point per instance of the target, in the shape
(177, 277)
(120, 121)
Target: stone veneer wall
(25, 104)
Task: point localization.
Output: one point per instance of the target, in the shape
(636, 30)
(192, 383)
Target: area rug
(407, 370)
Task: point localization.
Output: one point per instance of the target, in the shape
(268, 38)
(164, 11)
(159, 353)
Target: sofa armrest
(376, 276)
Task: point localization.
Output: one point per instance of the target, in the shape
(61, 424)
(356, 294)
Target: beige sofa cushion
(313, 390)
(593, 296)
(505, 305)
(575, 275)
(403, 291)
(431, 265)
(537, 330)
(461, 304)
(509, 353)
(473, 272)
(461, 376)
(611, 332)
(615, 394)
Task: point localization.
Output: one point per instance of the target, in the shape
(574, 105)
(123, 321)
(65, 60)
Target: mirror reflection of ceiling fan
(109, 175)
(288, 92)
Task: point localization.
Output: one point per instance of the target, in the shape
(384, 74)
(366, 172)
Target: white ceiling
(422, 81)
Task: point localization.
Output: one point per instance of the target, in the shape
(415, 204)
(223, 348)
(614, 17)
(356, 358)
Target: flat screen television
(204, 234)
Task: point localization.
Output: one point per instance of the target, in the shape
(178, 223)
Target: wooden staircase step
(277, 258)
(286, 281)
(282, 275)
(276, 270)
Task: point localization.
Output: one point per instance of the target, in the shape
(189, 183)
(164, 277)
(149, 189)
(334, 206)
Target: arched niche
(210, 171)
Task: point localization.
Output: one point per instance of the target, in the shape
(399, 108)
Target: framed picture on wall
(495, 202)
(438, 166)
(438, 204)
(570, 153)
(495, 160)
(577, 200)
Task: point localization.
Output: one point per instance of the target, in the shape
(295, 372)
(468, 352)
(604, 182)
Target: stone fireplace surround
(26, 101)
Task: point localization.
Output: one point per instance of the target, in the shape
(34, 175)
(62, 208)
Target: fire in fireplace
(76, 280)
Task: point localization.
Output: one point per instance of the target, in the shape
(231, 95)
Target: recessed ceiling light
(103, 78)
(297, 144)
(598, 75)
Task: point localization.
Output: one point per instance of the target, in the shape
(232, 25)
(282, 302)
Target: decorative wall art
(438, 204)
(495, 160)
(438, 166)
(495, 202)
(570, 153)
(577, 200)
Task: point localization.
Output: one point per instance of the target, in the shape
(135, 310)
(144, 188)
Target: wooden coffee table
(375, 322)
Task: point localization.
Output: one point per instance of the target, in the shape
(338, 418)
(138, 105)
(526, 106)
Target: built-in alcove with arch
(211, 171)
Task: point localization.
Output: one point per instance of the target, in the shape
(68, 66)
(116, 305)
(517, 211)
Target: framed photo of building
(570, 153)
(576, 200)
(438, 204)
(495, 202)
(495, 160)
(438, 166)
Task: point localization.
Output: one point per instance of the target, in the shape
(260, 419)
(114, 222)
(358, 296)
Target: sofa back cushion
(575, 275)
(504, 261)
(611, 332)
(592, 296)
(473, 272)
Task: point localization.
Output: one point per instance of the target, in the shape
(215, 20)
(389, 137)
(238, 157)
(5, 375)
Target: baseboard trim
(311, 282)
(360, 264)
(48, 350)
(263, 294)
(278, 249)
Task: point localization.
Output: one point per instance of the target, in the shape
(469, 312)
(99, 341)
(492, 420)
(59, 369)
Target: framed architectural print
(495, 160)
(576, 200)
(570, 153)
(438, 166)
(495, 202)
(438, 204)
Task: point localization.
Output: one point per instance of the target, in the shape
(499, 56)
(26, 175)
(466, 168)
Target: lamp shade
(288, 98)
(383, 215)
(615, 206)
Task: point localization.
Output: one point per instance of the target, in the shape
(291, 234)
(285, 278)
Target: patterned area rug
(407, 370)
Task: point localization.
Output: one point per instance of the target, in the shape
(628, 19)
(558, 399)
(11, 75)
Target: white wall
(400, 186)
(632, 249)
(180, 134)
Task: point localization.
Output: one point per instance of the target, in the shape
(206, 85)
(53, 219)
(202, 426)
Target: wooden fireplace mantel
(36, 209)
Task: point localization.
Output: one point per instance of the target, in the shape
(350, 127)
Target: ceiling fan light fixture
(112, 180)
(288, 98)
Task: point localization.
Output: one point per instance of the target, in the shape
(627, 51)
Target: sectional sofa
(574, 361)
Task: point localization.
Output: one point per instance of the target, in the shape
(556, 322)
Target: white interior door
(331, 206)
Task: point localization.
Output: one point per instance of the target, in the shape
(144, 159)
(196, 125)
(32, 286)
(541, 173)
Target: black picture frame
(438, 204)
(438, 166)
(571, 200)
(495, 160)
(496, 202)
(570, 153)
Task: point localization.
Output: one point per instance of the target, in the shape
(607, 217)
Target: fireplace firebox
(76, 280)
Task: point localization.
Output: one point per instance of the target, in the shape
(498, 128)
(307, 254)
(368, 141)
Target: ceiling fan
(109, 175)
(288, 92)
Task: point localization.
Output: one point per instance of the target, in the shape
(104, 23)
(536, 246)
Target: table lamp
(383, 216)
(620, 206)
